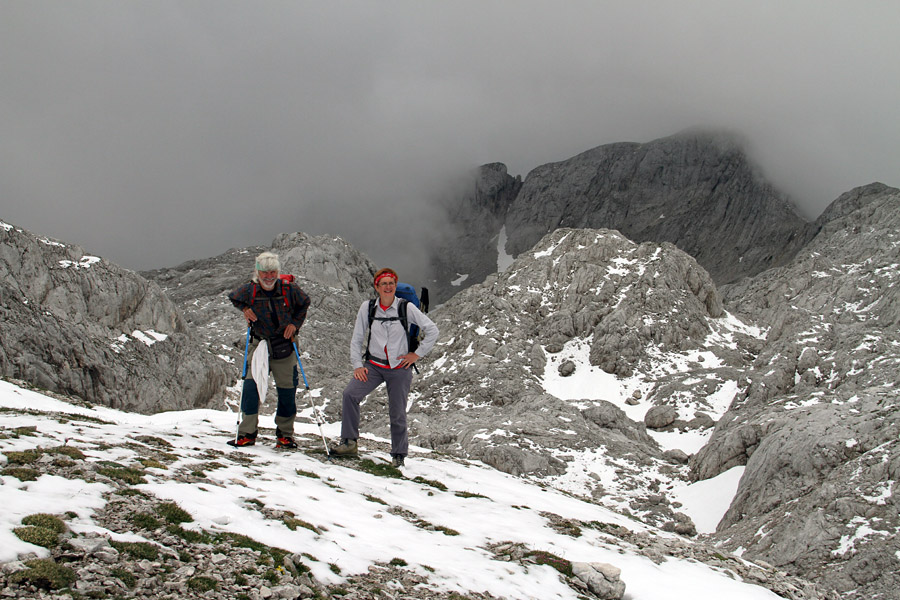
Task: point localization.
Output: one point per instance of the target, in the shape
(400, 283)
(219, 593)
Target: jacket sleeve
(240, 296)
(358, 340)
(299, 304)
(414, 315)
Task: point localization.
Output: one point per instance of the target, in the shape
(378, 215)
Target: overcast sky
(154, 132)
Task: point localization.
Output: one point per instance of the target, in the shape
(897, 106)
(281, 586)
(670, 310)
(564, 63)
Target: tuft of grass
(124, 576)
(446, 530)
(152, 463)
(547, 558)
(44, 573)
(293, 524)
(146, 521)
(154, 441)
(22, 473)
(128, 475)
(173, 513)
(202, 584)
(39, 536)
(23, 457)
(309, 474)
(73, 453)
(470, 495)
(334, 568)
(380, 469)
(431, 482)
(398, 562)
(188, 535)
(137, 549)
(376, 500)
(51, 522)
(29, 430)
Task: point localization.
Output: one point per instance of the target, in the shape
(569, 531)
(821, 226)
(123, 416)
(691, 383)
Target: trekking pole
(317, 416)
(243, 375)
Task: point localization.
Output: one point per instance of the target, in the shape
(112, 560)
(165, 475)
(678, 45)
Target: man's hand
(249, 314)
(361, 374)
(407, 360)
(289, 331)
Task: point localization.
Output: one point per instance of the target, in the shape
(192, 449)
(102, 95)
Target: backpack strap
(401, 309)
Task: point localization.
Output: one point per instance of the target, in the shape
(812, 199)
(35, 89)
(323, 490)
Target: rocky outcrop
(696, 190)
(467, 252)
(816, 425)
(77, 324)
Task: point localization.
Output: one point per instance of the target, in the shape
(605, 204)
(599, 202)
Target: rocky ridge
(78, 324)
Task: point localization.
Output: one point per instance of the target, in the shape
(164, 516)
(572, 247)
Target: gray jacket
(389, 335)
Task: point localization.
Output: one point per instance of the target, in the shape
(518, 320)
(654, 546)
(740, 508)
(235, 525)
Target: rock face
(468, 252)
(696, 190)
(77, 324)
(817, 423)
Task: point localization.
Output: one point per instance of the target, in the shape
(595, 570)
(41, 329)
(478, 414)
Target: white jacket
(389, 342)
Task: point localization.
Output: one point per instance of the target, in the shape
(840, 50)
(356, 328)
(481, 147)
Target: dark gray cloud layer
(156, 132)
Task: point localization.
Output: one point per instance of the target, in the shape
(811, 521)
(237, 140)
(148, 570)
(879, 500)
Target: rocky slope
(817, 423)
(697, 190)
(77, 324)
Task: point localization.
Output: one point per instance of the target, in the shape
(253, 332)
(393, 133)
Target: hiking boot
(285, 442)
(347, 447)
(397, 460)
(246, 439)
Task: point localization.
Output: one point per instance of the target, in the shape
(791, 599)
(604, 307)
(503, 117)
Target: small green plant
(137, 549)
(45, 574)
(124, 576)
(398, 562)
(173, 513)
(431, 482)
(188, 535)
(469, 495)
(51, 522)
(334, 568)
(271, 576)
(23, 457)
(146, 521)
(293, 524)
(202, 584)
(380, 469)
(22, 473)
(185, 556)
(129, 475)
(39, 536)
(240, 580)
(546, 558)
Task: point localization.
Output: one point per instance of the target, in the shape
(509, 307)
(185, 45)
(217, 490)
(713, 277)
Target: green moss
(380, 469)
(137, 549)
(202, 584)
(173, 513)
(22, 473)
(45, 574)
(128, 475)
(39, 536)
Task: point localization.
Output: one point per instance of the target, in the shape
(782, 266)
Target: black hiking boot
(247, 439)
(397, 460)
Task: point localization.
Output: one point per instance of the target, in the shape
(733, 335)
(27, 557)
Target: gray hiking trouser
(398, 382)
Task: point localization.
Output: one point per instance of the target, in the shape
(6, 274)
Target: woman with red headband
(383, 356)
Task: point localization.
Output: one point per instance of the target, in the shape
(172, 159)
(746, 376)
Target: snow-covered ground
(349, 507)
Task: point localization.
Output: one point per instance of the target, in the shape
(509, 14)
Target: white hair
(267, 261)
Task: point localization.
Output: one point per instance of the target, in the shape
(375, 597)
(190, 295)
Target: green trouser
(287, 379)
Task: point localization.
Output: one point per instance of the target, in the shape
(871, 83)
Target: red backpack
(286, 280)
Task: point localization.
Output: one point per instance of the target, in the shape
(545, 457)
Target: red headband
(385, 274)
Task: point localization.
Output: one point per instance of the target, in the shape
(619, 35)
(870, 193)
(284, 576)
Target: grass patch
(129, 475)
(124, 576)
(470, 495)
(146, 521)
(137, 549)
(51, 522)
(376, 500)
(446, 530)
(293, 524)
(202, 584)
(334, 568)
(173, 513)
(45, 574)
(39, 536)
(25, 431)
(309, 474)
(188, 535)
(154, 441)
(380, 469)
(398, 562)
(131, 492)
(73, 453)
(431, 482)
(152, 463)
(22, 473)
(23, 457)
(547, 558)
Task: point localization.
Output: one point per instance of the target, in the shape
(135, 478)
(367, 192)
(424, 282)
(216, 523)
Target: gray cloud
(157, 132)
